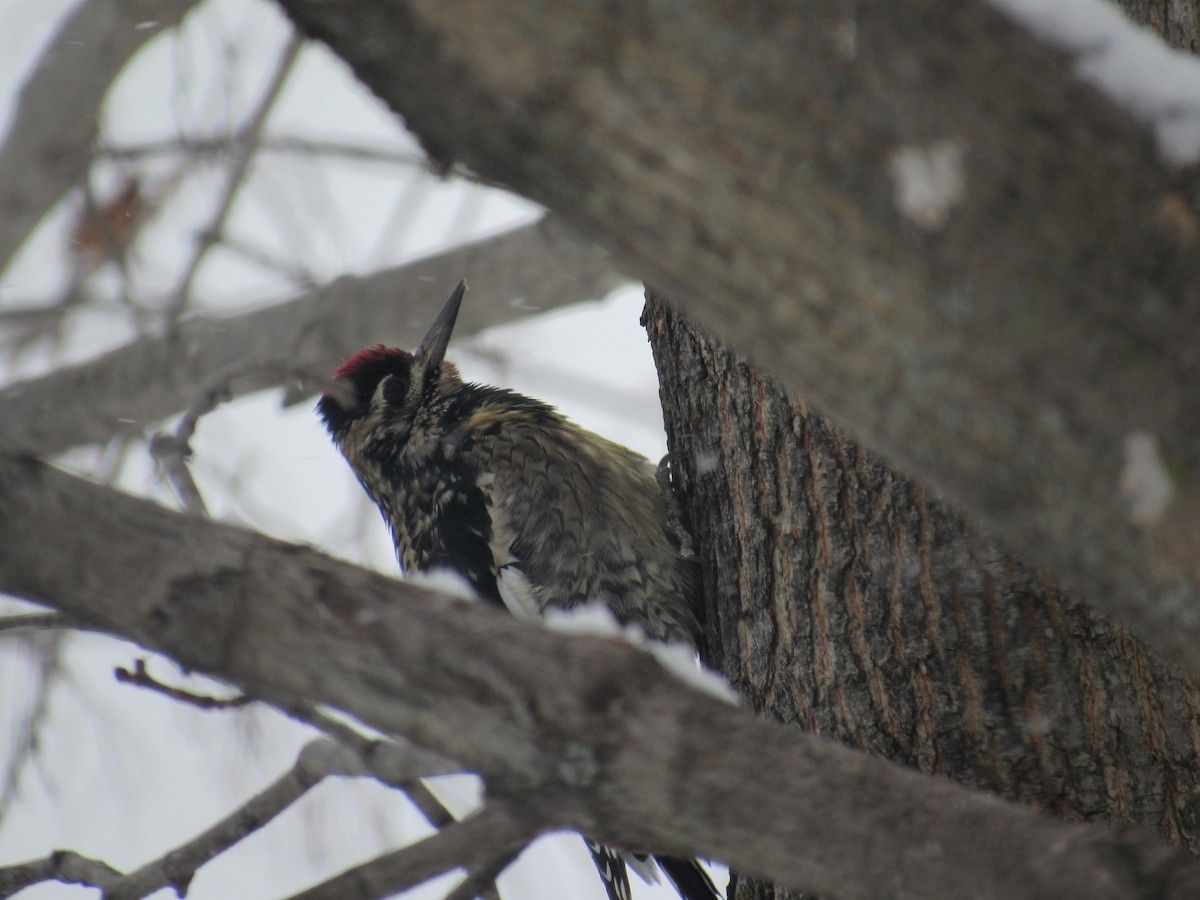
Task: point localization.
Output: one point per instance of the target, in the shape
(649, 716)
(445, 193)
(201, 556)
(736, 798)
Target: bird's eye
(395, 388)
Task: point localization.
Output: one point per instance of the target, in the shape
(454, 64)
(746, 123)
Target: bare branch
(294, 272)
(532, 269)
(141, 677)
(48, 149)
(172, 452)
(677, 772)
(295, 145)
(317, 760)
(492, 833)
(396, 762)
(34, 622)
(244, 148)
(171, 458)
(481, 877)
(61, 865)
(26, 735)
(252, 375)
(393, 762)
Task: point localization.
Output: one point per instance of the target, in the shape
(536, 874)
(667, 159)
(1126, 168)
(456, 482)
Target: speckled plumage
(494, 485)
(534, 511)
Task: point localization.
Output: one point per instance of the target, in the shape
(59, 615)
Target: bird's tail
(614, 874)
(689, 877)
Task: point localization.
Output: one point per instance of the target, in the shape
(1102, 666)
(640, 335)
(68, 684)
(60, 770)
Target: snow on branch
(1158, 85)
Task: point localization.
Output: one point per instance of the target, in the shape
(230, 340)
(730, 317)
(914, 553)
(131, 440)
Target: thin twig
(254, 375)
(27, 314)
(34, 622)
(171, 457)
(294, 145)
(64, 866)
(481, 879)
(392, 761)
(245, 146)
(395, 762)
(112, 457)
(490, 833)
(297, 274)
(289, 144)
(26, 735)
(142, 678)
(317, 760)
(171, 452)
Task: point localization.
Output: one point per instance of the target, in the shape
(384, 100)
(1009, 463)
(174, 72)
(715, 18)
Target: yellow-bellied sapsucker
(532, 510)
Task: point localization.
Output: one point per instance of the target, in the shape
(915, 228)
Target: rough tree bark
(852, 603)
(846, 600)
(1176, 21)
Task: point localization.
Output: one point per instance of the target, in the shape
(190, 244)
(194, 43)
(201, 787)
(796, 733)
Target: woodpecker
(532, 510)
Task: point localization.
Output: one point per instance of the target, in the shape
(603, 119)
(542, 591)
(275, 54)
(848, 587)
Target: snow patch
(678, 658)
(443, 581)
(1145, 481)
(590, 619)
(1130, 64)
(707, 462)
(928, 181)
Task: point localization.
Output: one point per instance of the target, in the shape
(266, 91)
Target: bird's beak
(433, 346)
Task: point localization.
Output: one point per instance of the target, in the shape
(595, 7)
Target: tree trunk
(1175, 21)
(842, 598)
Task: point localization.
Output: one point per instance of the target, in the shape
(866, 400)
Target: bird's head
(394, 395)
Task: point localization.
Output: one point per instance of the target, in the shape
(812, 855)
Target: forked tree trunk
(844, 599)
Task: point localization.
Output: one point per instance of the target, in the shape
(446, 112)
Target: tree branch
(1016, 345)
(140, 676)
(34, 622)
(393, 762)
(46, 667)
(532, 269)
(61, 865)
(676, 771)
(48, 149)
(172, 452)
(480, 883)
(244, 148)
(352, 151)
(491, 833)
(175, 869)
(396, 763)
